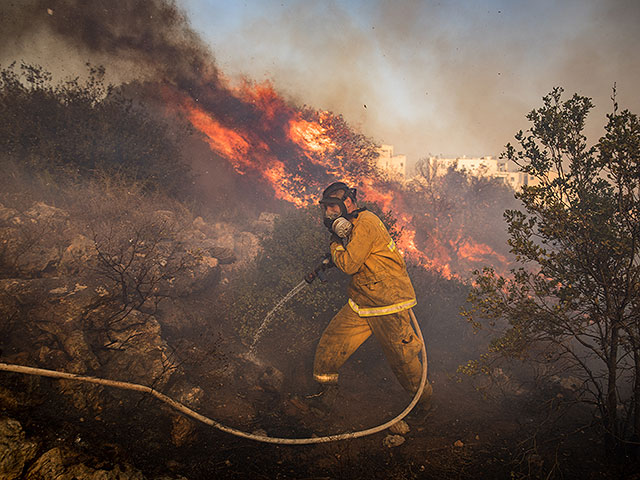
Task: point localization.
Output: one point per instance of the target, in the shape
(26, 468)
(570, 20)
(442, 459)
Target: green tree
(574, 300)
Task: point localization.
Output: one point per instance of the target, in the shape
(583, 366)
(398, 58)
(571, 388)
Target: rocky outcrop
(20, 458)
(86, 300)
(15, 449)
(79, 255)
(245, 246)
(99, 301)
(59, 464)
(30, 242)
(46, 241)
(134, 350)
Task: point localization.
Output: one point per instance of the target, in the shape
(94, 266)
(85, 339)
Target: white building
(484, 167)
(392, 164)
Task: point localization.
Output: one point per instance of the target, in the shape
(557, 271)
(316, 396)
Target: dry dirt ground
(466, 436)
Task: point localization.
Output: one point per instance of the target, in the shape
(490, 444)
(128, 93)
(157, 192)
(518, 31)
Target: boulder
(226, 237)
(55, 331)
(15, 449)
(31, 242)
(399, 428)
(49, 465)
(133, 350)
(391, 441)
(27, 251)
(80, 253)
(63, 465)
(201, 273)
(39, 259)
(41, 212)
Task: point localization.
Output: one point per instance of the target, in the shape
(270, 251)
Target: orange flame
(310, 145)
(221, 139)
(310, 136)
(479, 252)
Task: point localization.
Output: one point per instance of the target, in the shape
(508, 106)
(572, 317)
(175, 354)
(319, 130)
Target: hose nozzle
(325, 264)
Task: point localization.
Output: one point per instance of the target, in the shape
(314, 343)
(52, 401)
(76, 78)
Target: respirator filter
(341, 227)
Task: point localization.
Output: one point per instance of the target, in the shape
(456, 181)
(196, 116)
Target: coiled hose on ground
(208, 421)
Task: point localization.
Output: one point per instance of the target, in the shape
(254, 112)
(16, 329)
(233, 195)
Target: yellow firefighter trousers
(347, 331)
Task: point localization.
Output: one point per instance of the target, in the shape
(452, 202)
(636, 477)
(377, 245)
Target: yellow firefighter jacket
(379, 283)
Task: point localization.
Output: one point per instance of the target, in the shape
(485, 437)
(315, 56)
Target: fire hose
(180, 407)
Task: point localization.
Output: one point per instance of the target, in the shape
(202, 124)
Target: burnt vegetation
(115, 262)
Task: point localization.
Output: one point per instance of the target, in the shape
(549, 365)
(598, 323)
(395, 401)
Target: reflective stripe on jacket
(379, 283)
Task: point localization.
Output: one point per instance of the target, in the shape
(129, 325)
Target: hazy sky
(441, 77)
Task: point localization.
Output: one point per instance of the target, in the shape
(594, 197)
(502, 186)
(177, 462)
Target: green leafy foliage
(574, 302)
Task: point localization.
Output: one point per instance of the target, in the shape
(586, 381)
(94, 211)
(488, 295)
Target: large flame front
(297, 152)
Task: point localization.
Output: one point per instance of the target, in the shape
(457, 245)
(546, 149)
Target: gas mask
(338, 222)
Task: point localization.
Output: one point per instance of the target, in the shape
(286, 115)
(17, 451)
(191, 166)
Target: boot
(423, 409)
(322, 402)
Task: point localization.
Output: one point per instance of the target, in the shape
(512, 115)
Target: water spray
(251, 354)
(318, 272)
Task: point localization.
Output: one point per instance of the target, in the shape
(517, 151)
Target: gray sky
(451, 77)
(441, 77)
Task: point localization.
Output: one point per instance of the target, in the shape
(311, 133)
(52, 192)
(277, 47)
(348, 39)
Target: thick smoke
(170, 58)
(442, 77)
(438, 77)
(141, 42)
(152, 37)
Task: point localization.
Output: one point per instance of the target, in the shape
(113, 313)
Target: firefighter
(380, 296)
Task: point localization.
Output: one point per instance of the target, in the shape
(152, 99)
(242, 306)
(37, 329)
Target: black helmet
(337, 186)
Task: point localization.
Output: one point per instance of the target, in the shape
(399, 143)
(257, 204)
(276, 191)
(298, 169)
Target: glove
(335, 238)
(327, 262)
